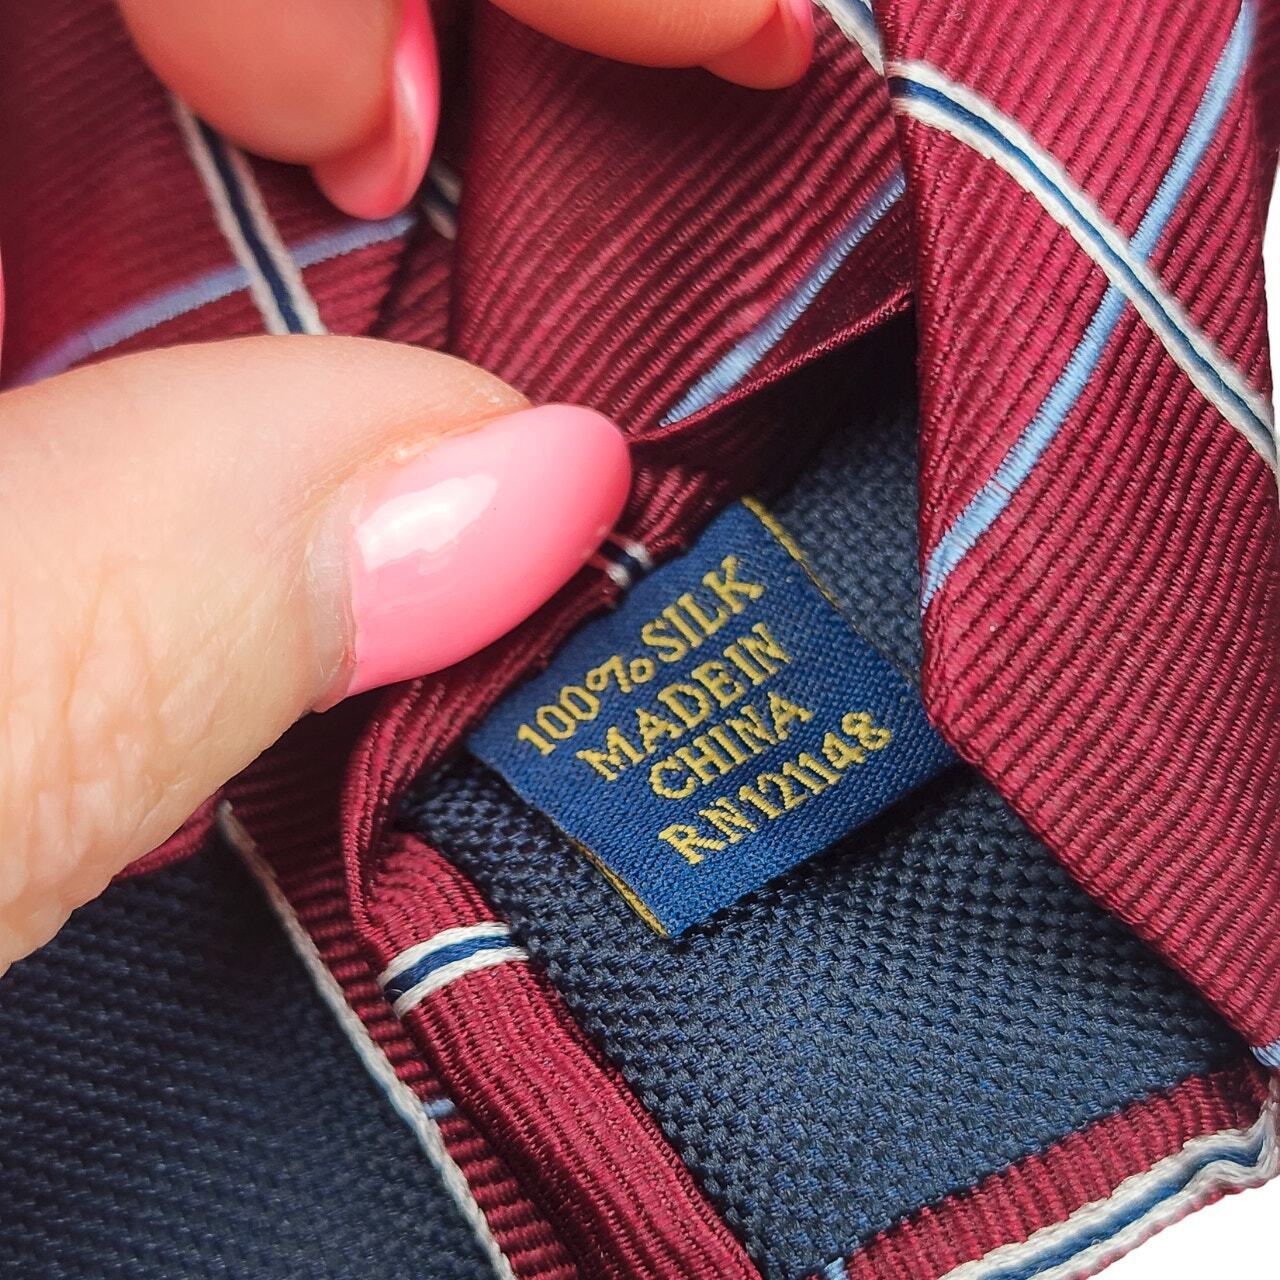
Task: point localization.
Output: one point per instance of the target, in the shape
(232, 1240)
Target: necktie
(1071, 199)
(1098, 527)
(1100, 564)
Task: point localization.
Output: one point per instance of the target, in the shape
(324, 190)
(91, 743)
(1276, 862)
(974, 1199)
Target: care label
(723, 724)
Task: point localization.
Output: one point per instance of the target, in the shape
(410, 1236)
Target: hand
(351, 87)
(199, 545)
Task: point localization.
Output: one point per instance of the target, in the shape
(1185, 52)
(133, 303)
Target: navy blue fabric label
(724, 723)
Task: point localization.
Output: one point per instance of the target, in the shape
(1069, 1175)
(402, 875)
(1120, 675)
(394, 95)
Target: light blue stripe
(734, 367)
(194, 294)
(359, 235)
(1173, 328)
(1030, 446)
(136, 319)
(837, 1270)
(1269, 1054)
(439, 1108)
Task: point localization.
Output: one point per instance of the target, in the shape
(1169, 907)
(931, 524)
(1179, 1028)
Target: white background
(1238, 1237)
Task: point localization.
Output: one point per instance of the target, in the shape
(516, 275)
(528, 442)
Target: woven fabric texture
(854, 510)
(932, 999)
(1100, 530)
(176, 1102)
(885, 1026)
(893, 1021)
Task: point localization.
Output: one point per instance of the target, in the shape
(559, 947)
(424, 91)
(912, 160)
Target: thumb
(199, 545)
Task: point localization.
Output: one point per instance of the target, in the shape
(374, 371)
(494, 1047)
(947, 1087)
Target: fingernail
(378, 177)
(777, 55)
(445, 552)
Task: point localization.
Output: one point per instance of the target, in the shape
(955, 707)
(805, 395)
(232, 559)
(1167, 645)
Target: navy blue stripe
(437, 191)
(634, 568)
(248, 228)
(406, 981)
(902, 87)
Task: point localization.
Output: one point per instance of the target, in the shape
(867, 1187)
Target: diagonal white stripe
(856, 23)
(303, 303)
(1073, 210)
(445, 938)
(1092, 1224)
(444, 177)
(259, 290)
(451, 972)
(441, 218)
(407, 1105)
(282, 259)
(638, 552)
(620, 577)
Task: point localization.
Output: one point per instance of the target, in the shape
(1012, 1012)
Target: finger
(199, 545)
(350, 87)
(777, 55)
(293, 79)
(760, 43)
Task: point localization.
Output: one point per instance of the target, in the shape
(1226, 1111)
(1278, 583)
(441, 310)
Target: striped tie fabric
(978, 307)
(1100, 546)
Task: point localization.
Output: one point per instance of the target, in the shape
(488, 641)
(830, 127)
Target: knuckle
(88, 747)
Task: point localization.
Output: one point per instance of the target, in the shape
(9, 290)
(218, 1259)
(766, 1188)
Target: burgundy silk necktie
(1100, 563)
(1071, 197)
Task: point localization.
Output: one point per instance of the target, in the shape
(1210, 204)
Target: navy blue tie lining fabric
(909, 1011)
(176, 1102)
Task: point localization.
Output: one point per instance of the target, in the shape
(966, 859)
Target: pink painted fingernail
(378, 177)
(777, 55)
(452, 548)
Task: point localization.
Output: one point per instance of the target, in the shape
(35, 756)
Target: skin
(162, 654)
(306, 80)
(155, 636)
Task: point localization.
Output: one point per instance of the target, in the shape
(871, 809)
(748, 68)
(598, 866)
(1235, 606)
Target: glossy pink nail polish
(777, 55)
(379, 177)
(451, 549)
